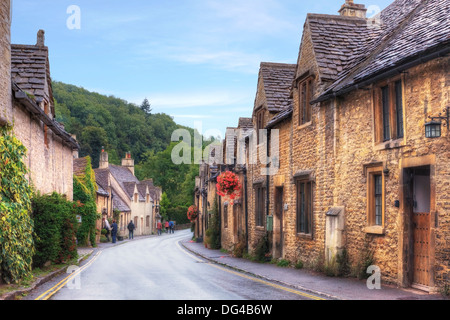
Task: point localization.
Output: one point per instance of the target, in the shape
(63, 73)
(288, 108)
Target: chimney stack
(104, 162)
(351, 9)
(40, 38)
(128, 162)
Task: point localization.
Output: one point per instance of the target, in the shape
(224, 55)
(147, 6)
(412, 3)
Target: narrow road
(159, 268)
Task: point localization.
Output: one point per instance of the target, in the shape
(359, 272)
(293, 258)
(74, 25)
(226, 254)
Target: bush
(299, 264)
(16, 225)
(283, 263)
(55, 224)
(262, 249)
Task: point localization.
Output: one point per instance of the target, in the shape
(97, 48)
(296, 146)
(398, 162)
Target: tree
(165, 205)
(146, 106)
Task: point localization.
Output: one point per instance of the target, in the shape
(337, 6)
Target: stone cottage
(272, 97)
(134, 200)
(363, 167)
(26, 103)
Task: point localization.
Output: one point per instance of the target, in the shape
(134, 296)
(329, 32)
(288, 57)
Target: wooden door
(421, 227)
(421, 248)
(278, 223)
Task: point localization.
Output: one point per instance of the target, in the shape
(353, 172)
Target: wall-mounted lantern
(433, 128)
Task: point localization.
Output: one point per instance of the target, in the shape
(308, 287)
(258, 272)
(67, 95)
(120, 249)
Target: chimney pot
(40, 38)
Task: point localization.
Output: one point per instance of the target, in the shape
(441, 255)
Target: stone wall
(51, 164)
(5, 63)
(426, 93)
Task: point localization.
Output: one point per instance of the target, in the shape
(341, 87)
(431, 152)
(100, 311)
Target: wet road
(159, 268)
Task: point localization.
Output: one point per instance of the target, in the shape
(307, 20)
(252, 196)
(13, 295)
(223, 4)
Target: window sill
(374, 230)
(304, 236)
(390, 144)
(304, 125)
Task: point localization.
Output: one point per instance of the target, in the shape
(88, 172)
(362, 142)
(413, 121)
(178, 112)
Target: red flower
(228, 185)
(192, 213)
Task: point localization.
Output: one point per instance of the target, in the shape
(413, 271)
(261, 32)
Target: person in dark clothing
(131, 228)
(114, 231)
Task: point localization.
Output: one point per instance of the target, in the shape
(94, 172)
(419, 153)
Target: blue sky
(196, 60)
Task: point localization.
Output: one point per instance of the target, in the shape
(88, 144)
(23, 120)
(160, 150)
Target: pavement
(301, 279)
(335, 288)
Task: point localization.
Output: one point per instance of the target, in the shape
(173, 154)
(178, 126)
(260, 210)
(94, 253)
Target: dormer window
(259, 122)
(135, 197)
(305, 95)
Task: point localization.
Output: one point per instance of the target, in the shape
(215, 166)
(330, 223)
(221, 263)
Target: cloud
(183, 100)
(256, 16)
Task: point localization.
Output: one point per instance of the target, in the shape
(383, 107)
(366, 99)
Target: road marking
(300, 293)
(49, 293)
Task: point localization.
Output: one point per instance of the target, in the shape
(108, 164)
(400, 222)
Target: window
(259, 122)
(305, 95)
(135, 197)
(259, 205)
(304, 206)
(147, 221)
(375, 199)
(389, 111)
(225, 216)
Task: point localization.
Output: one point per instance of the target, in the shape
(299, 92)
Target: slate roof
(282, 115)
(277, 78)
(119, 203)
(79, 166)
(30, 70)
(349, 50)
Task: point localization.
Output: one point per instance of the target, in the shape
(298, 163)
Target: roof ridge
(379, 48)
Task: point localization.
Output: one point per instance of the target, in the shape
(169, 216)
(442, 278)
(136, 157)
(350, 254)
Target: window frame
(389, 110)
(304, 200)
(305, 87)
(374, 175)
(260, 199)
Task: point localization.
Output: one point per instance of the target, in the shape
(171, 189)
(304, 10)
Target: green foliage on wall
(55, 229)
(84, 193)
(16, 225)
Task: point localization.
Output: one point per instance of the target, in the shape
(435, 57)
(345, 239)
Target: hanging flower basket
(192, 213)
(228, 185)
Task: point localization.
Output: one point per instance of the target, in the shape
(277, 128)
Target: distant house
(26, 103)
(120, 191)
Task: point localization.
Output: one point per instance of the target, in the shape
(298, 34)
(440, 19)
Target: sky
(196, 60)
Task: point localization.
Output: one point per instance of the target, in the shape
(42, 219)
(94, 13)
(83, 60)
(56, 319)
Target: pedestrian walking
(159, 227)
(167, 226)
(114, 231)
(107, 227)
(171, 226)
(131, 227)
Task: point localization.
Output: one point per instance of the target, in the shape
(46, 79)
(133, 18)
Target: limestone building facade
(121, 191)
(26, 104)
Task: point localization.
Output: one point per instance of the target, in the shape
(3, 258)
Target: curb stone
(329, 296)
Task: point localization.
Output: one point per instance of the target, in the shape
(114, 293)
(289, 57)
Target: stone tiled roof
(119, 203)
(245, 123)
(358, 50)
(79, 166)
(30, 70)
(278, 78)
(282, 115)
